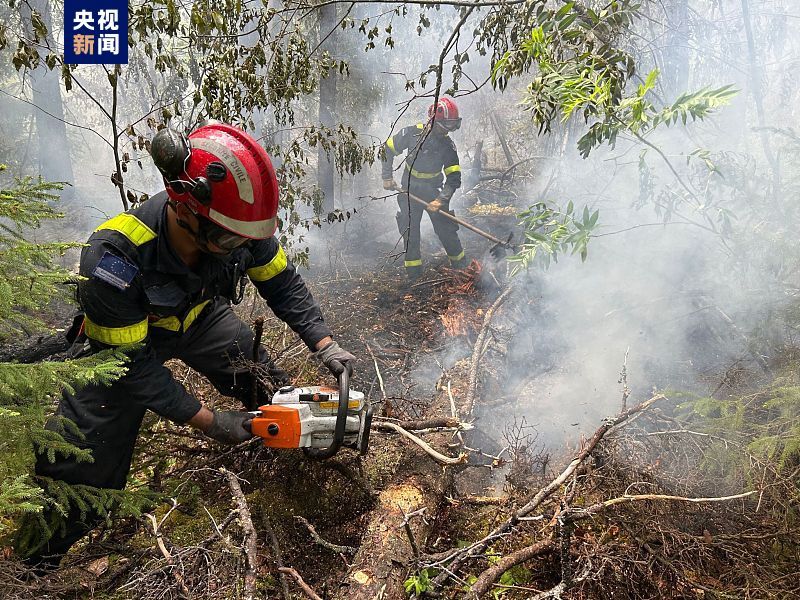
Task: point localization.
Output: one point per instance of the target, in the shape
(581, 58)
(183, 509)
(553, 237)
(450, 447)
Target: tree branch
(246, 520)
(436, 455)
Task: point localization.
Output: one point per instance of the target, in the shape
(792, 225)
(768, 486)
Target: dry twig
(574, 514)
(276, 551)
(323, 542)
(246, 520)
(165, 552)
(436, 455)
(477, 351)
(468, 553)
(487, 579)
(303, 585)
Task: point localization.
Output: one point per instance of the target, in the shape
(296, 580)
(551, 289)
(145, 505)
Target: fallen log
(35, 349)
(381, 565)
(393, 543)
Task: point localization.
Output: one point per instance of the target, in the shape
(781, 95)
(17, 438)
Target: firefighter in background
(164, 276)
(431, 172)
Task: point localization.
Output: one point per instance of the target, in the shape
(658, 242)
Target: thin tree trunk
(755, 86)
(55, 162)
(327, 106)
(677, 59)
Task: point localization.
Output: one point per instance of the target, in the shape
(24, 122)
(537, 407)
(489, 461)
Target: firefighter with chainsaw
(164, 276)
(430, 172)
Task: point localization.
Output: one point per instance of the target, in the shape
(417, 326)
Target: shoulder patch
(115, 271)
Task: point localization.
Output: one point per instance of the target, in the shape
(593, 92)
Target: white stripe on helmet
(231, 162)
(258, 230)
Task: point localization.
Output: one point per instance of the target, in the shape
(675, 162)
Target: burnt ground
(419, 336)
(407, 328)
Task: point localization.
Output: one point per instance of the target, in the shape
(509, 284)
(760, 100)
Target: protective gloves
(391, 185)
(434, 205)
(230, 426)
(336, 359)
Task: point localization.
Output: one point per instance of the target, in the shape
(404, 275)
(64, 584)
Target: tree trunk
(55, 162)
(382, 562)
(386, 556)
(327, 105)
(677, 59)
(758, 99)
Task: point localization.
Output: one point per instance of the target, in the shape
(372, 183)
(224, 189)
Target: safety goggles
(450, 124)
(219, 237)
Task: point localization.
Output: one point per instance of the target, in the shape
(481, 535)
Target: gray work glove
(391, 185)
(336, 359)
(230, 426)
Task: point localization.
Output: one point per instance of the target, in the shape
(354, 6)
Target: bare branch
(249, 533)
(323, 542)
(437, 456)
(303, 585)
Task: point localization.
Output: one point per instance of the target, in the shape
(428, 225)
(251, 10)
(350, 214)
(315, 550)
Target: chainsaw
(318, 419)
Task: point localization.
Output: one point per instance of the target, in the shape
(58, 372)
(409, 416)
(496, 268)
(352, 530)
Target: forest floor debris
(634, 513)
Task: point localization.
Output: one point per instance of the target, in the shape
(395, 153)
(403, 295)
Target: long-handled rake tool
(500, 247)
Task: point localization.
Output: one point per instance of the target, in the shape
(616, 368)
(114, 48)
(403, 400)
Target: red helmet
(222, 174)
(445, 113)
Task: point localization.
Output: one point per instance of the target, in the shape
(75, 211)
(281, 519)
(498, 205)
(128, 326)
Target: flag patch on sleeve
(115, 271)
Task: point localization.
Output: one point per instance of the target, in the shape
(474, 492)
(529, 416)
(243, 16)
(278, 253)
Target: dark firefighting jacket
(138, 290)
(432, 160)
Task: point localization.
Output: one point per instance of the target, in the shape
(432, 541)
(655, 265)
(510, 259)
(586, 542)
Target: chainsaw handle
(341, 422)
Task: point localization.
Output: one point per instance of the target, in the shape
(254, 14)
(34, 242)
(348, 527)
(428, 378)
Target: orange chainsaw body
(308, 417)
(278, 424)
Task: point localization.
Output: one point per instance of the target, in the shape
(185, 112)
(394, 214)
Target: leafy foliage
(765, 424)
(28, 278)
(550, 232)
(579, 66)
(637, 115)
(418, 583)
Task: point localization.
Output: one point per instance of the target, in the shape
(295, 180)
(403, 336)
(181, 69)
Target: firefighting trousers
(215, 346)
(409, 218)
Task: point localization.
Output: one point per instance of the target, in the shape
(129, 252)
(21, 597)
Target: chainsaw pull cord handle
(341, 422)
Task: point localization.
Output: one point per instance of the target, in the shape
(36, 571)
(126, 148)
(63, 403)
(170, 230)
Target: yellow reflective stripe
(420, 126)
(421, 175)
(131, 227)
(452, 169)
(269, 270)
(115, 336)
(171, 323)
(457, 257)
(193, 314)
(390, 144)
(174, 324)
(413, 263)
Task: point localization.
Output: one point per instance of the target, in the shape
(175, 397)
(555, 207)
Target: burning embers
(461, 317)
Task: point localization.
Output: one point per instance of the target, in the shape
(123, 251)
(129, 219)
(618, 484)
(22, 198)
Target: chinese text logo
(95, 32)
